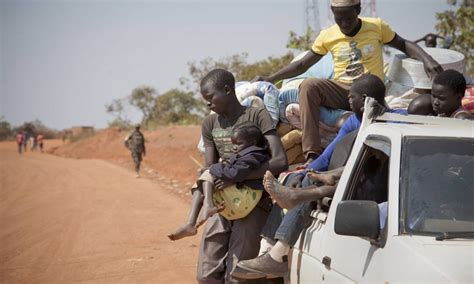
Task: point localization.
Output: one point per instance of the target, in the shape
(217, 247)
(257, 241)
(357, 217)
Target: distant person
(40, 141)
(33, 143)
(225, 186)
(25, 140)
(135, 142)
(19, 141)
(447, 94)
(356, 44)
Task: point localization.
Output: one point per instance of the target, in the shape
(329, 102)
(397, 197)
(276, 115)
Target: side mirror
(357, 218)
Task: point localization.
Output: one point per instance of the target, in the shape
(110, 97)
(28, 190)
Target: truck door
(347, 258)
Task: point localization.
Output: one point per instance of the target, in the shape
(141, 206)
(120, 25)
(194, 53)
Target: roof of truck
(415, 125)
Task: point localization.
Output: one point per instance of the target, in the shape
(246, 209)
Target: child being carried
(225, 186)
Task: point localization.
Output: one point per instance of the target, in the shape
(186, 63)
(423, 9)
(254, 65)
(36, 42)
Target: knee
(311, 87)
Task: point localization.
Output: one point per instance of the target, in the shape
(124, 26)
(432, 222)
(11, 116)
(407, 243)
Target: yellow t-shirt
(357, 55)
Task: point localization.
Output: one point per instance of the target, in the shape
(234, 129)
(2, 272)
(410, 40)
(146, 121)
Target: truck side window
(370, 180)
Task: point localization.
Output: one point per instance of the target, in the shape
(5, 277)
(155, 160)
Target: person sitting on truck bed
(447, 93)
(368, 85)
(356, 44)
(300, 202)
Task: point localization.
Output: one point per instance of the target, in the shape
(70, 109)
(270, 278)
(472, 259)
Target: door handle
(327, 262)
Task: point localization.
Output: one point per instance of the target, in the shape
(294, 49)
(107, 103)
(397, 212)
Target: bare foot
(282, 195)
(325, 177)
(207, 212)
(186, 230)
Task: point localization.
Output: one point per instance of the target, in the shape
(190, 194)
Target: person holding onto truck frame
(223, 239)
(285, 231)
(224, 186)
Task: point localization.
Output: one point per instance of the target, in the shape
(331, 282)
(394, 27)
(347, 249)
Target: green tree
(36, 126)
(6, 131)
(236, 64)
(301, 43)
(117, 109)
(178, 107)
(143, 99)
(459, 25)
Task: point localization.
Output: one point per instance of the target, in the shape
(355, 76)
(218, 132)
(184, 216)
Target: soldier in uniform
(135, 142)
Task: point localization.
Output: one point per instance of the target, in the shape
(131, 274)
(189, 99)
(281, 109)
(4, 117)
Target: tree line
(184, 106)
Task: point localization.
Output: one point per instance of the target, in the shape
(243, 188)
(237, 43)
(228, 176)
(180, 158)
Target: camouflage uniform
(135, 142)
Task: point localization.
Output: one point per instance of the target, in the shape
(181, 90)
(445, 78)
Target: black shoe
(263, 265)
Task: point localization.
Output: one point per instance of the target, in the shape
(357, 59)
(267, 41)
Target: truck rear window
(437, 185)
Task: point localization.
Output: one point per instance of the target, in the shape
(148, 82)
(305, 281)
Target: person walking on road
(19, 140)
(40, 141)
(135, 142)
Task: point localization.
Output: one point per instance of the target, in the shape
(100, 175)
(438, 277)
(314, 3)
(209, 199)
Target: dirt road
(66, 220)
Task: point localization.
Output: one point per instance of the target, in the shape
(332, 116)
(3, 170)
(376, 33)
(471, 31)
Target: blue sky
(62, 61)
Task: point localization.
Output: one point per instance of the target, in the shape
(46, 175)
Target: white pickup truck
(416, 222)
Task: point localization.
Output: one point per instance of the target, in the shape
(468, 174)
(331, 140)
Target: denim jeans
(285, 98)
(289, 226)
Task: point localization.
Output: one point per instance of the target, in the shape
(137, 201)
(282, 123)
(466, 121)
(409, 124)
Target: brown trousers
(222, 239)
(315, 93)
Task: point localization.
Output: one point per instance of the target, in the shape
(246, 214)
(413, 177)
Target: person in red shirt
(19, 140)
(39, 141)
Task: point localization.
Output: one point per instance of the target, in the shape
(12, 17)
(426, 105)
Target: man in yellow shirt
(356, 46)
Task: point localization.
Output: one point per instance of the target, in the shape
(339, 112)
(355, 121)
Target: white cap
(344, 3)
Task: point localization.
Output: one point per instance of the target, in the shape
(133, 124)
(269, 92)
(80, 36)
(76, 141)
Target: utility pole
(312, 16)
(369, 9)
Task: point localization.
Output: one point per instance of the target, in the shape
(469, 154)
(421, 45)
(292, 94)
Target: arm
(278, 163)
(210, 156)
(237, 171)
(464, 115)
(413, 50)
(420, 39)
(293, 69)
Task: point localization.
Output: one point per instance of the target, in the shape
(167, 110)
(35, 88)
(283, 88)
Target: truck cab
(403, 210)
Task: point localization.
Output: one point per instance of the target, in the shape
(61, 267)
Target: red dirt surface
(89, 220)
(172, 154)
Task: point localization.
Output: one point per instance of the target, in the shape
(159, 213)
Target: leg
(327, 178)
(139, 159)
(208, 209)
(273, 222)
(213, 250)
(290, 198)
(315, 93)
(136, 156)
(189, 229)
(245, 239)
(275, 264)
